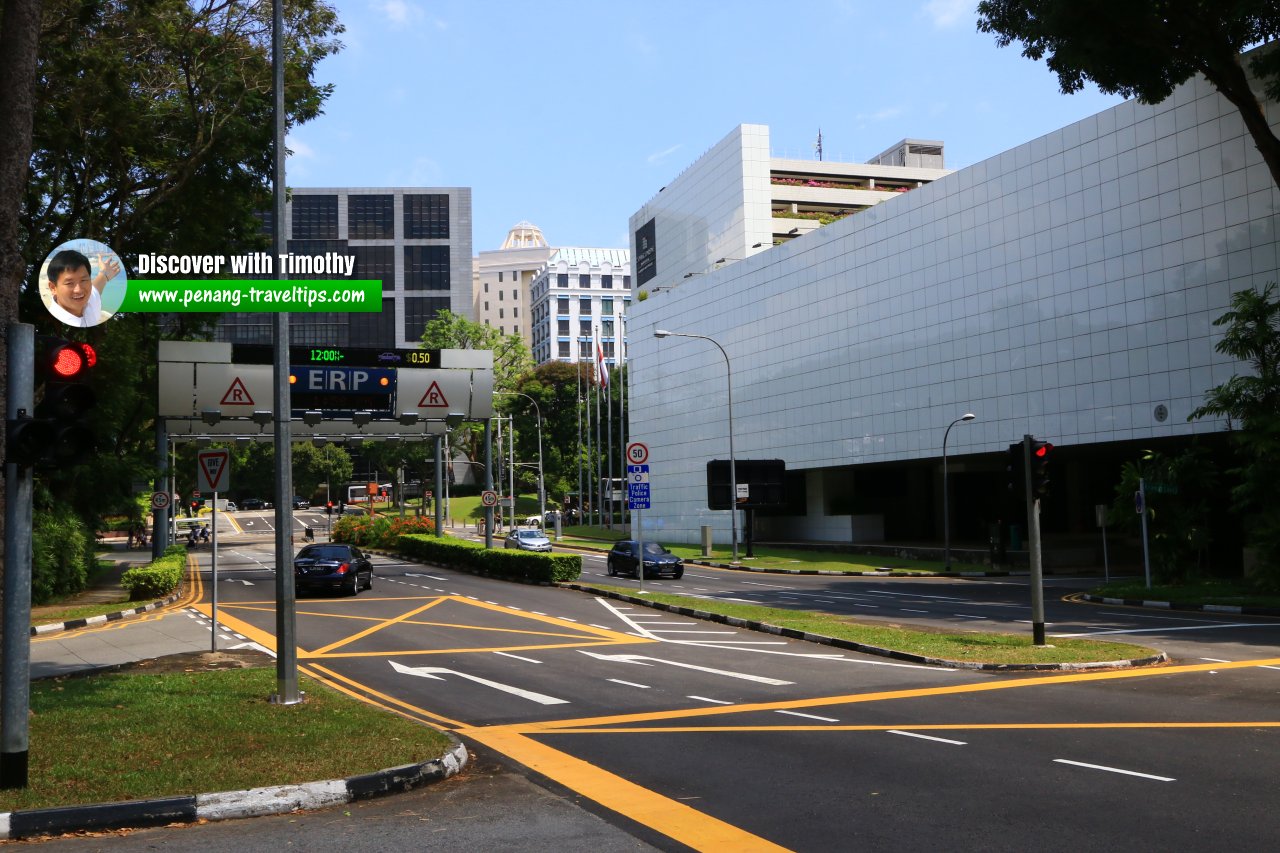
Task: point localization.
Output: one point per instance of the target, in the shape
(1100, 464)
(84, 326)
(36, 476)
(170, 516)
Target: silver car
(528, 539)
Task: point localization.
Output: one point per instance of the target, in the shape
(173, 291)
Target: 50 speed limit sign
(637, 453)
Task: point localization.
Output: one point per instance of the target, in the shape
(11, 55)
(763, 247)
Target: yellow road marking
(226, 620)
(373, 629)
(582, 644)
(458, 625)
(333, 678)
(914, 693)
(910, 727)
(673, 819)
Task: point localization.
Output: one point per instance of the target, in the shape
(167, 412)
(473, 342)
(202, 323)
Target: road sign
(638, 493)
(159, 500)
(213, 471)
(489, 498)
(638, 473)
(637, 453)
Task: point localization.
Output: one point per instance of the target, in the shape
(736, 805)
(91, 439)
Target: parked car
(528, 539)
(332, 567)
(658, 561)
(300, 502)
(231, 507)
(254, 503)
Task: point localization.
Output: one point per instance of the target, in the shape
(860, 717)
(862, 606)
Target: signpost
(213, 473)
(638, 498)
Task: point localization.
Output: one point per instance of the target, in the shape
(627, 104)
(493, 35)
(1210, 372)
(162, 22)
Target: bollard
(706, 540)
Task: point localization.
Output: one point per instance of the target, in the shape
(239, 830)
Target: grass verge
(776, 558)
(84, 611)
(970, 647)
(109, 738)
(1202, 592)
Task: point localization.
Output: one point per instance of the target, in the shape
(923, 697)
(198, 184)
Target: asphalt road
(701, 735)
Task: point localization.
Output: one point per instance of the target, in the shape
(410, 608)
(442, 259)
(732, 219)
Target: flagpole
(619, 358)
(599, 469)
(608, 394)
(591, 486)
(581, 506)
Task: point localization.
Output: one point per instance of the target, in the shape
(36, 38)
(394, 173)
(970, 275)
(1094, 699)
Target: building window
(584, 305)
(371, 217)
(486, 305)
(606, 281)
(315, 217)
(515, 294)
(500, 314)
(501, 296)
(515, 313)
(562, 280)
(486, 287)
(418, 311)
(426, 268)
(626, 282)
(499, 278)
(562, 327)
(426, 217)
(584, 281)
(584, 350)
(562, 305)
(607, 346)
(564, 349)
(606, 328)
(375, 262)
(584, 327)
(606, 306)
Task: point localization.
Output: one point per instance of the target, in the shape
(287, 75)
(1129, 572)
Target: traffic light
(328, 508)
(1015, 471)
(56, 434)
(1040, 453)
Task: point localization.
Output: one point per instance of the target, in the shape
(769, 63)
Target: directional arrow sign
(237, 580)
(639, 660)
(435, 672)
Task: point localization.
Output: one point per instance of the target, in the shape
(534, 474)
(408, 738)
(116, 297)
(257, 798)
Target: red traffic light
(1042, 449)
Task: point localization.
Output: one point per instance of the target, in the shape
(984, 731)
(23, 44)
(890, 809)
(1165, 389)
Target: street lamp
(733, 465)
(542, 486)
(946, 502)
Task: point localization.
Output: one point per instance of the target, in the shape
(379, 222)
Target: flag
(602, 371)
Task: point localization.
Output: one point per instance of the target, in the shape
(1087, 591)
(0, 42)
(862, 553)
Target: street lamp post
(946, 496)
(733, 465)
(542, 486)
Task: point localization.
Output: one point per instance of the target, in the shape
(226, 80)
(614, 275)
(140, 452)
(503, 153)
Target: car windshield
(654, 548)
(529, 534)
(326, 553)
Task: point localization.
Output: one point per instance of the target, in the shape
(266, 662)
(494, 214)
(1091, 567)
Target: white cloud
(948, 13)
(399, 11)
(659, 156)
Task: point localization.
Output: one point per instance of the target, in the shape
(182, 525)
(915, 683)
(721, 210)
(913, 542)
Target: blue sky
(573, 114)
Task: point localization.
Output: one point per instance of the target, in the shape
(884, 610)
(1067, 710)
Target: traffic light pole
(1033, 526)
(15, 661)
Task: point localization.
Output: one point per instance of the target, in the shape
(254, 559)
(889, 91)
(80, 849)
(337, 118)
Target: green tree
(313, 466)
(1180, 492)
(1145, 49)
(1251, 404)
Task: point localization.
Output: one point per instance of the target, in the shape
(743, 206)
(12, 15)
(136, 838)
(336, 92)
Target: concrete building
(417, 240)
(737, 200)
(502, 279)
(579, 293)
(1065, 288)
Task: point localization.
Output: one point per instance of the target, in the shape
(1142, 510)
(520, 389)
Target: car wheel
(368, 584)
(610, 569)
(354, 589)
(679, 574)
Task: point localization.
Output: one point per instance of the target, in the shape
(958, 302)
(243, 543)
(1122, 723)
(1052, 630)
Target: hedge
(157, 579)
(61, 554)
(473, 557)
(379, 530)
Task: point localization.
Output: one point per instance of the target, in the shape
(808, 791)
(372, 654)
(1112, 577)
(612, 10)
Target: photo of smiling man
(75, 280)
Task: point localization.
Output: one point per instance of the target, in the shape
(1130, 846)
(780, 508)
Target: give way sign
(213, 470)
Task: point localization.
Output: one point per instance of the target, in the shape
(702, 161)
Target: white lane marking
(909, 610)
(434, 672)
(517, 657)
(1264, 666)
(1162, 618)
(1114, 770)
(1216, 660)
(808, 716)
(676, 631)
(628, 683)
(705, 577)
(433, 577)
(927, 737)
(916, 595)
(537, 613)
(774, 585)
(1179, 628)
(872, 606)
(645, 660)
(663, 622)
(967, 616)
(712, 701)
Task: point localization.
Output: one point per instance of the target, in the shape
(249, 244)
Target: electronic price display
(337, 356)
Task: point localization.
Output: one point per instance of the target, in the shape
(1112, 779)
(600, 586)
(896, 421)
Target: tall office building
(502, 279)
(416, 240)
(580, 295)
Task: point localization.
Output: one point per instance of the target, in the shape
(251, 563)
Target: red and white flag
(602, 370)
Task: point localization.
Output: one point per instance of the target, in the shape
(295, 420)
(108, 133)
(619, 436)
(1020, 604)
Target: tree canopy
(1145, 48)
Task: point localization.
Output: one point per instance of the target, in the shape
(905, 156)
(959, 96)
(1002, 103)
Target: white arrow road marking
(434, 672)
(237, 580)
(640, 661)
(433, 577)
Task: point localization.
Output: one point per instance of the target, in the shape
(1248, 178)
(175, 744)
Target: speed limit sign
(159, 500)
(489, 498)
(637, 453)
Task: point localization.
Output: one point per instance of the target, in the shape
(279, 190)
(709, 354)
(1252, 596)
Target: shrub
(157, 579)
(379, 531)
(61, 554)
(474, 557)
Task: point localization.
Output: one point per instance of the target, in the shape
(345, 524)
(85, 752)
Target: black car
(253, 503)
(658, 561)
(332, 567)
(299, 502)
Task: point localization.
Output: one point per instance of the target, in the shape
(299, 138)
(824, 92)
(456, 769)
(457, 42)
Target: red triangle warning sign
(213, 465)
(237, 394)
(434, 398)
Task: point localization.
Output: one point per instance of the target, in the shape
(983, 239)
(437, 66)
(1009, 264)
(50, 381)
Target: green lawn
(118, 737)
(970, 647)
(1202, 592)
(770, 558)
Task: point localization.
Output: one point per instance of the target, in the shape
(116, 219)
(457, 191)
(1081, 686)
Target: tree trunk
(1230, 79)
(19, 39)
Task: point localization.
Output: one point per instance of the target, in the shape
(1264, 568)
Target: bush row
(156, 579)
(474, 557)
(61, 554)
(379, 531)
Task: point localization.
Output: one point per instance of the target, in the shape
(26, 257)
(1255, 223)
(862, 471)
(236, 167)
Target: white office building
(578, 296)
(502, 279)
(1065, 289)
